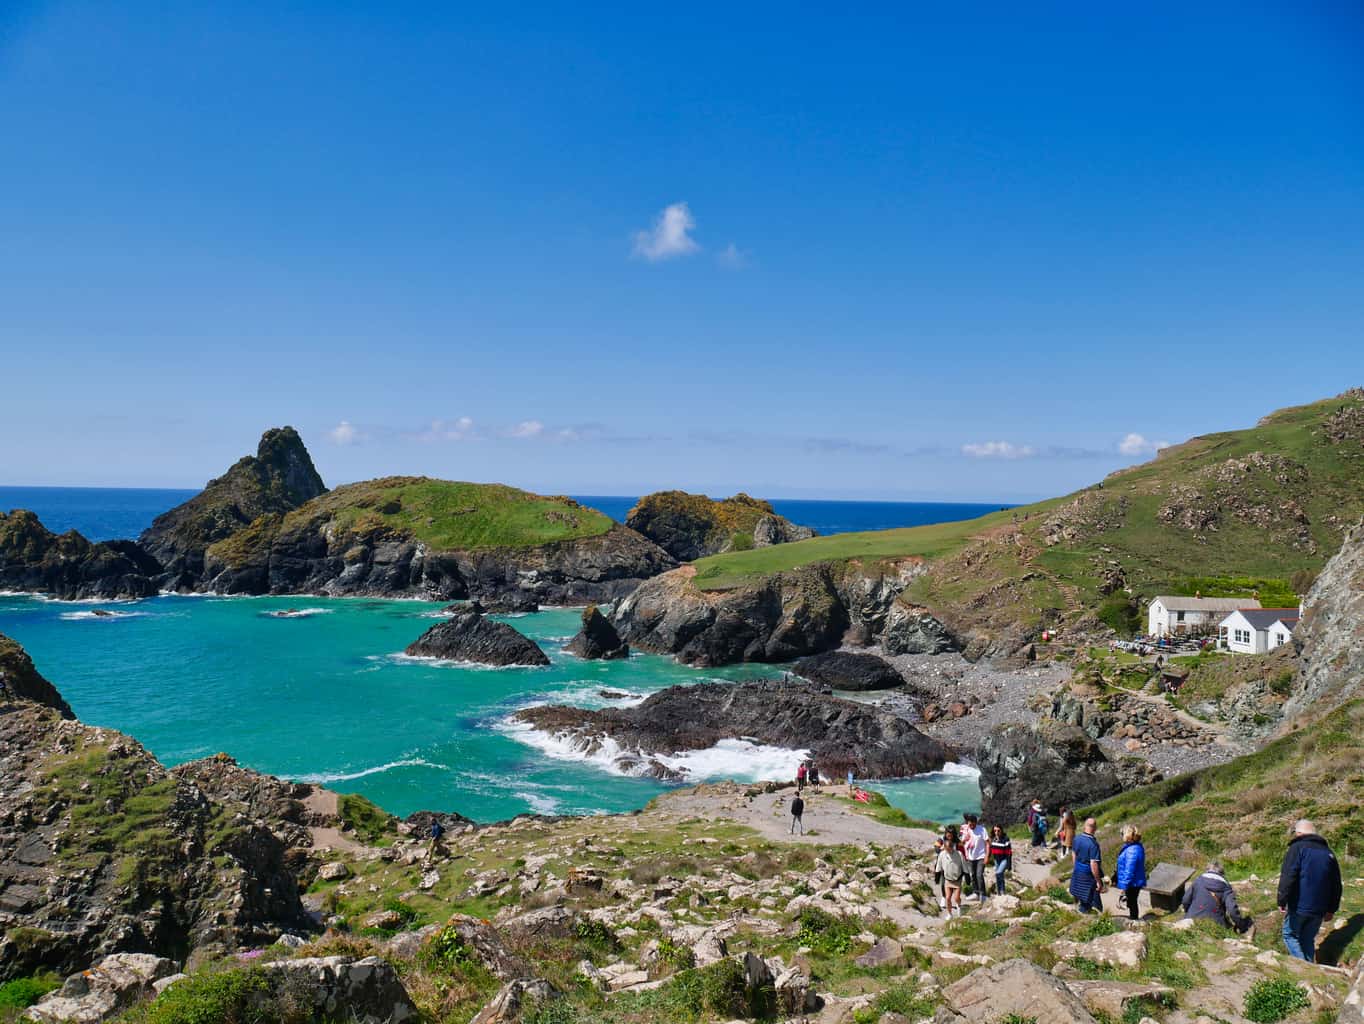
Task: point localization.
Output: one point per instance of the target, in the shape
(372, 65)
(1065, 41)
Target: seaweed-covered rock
(468, 636)
(597, 639)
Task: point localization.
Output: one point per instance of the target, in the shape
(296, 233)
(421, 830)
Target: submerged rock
(840, 734)
(597, 639)
(844, 670)
(468, 636)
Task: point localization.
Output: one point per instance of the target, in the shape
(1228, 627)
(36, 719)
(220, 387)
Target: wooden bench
(1165, 886)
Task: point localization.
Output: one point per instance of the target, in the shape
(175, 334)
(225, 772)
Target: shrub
(1097, 928)
(24, 992)
(1120, 614)
(370, 822)
(825, 933)
(596, 935)
(1272, 999)
(220, 997)
(676, 955)
(446, 950)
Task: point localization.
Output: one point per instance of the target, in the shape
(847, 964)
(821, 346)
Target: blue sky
(869, 252)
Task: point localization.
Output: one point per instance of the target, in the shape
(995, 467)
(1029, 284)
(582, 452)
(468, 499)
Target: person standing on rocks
(1065, 832)
(976, 846)
(1309, 890)
(1087, 878)
(797, 809)
(1001, 855)
(1130, 874)
(800, 777)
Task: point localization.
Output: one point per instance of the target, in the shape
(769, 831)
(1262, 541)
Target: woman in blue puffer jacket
(1131, 870)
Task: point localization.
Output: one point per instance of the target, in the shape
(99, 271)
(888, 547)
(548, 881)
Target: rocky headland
(692, 526)
(839, 734)
(67, 566)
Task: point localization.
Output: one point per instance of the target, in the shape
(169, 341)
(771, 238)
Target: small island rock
(845, 670)
(468, 636)
(597, 639)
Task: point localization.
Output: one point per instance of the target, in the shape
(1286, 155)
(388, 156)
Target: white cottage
(1257, 630)
(1168, 616)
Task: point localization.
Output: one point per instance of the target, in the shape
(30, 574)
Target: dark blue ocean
(108, 513)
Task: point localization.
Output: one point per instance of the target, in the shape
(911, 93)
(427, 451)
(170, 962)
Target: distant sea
(111, 513)
(190, 676)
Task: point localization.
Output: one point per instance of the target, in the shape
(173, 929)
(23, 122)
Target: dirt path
(323, 803)
(1216, 728)
(828, 821)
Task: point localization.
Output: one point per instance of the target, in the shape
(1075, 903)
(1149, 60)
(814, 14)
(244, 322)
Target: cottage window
(1179, 616)
(1243, 636)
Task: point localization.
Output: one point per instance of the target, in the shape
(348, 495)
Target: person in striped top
(1001, 856)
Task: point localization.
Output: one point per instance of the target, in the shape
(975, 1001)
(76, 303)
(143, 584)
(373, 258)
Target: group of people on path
(1308, 896)
(960, 857)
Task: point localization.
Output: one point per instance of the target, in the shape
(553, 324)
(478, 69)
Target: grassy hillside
(444, 514)
(1241, 812)
(1236, 513)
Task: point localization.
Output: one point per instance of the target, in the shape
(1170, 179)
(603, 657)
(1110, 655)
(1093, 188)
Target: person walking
(1065, 833)
(976, 846)
(1130, 872)
(436, 833)
(938, 874)
(797, 809)
(953, 868)
(800, 777)
(1087, 879)
(1309, 890)
(1001, 856)
(1037, 821)
(1211, 898)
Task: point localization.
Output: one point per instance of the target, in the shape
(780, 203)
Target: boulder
(1352, 1008)
(1114, 997)
(840, 734)
(1053, 761)
(470, 637)
(886, 951)
(845, 670)
(597, 639)
(512, 997)
(113, 985)
(550, 923)
(487, 946)
(1121, 949)
(1018, 987)
(333, 871)
(913, 630)
(366, 991)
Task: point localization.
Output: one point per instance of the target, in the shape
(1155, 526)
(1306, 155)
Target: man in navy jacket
(1309, 889)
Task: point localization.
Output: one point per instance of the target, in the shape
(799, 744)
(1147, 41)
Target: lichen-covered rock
(597, 638)
(1330, 637)
(511, 998)
(1121, 949)
(691, 526)
(1019, 987)
(365, 991)
(468, 636)
(912, 630)
(95, 995)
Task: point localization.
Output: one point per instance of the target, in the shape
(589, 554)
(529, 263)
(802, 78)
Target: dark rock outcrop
(470, 637)
(1330, 637)
(277, 479)
(502, 604)
(911, 630)
(776, 618)
(597, 638)
(197, 860)
(691, 526)
(1053, 761)
(68, 566)
(840, 734)
(19, 679)
(844, 670)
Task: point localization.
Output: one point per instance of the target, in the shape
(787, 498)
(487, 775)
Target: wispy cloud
(998, 450)
(527, 430)
(669, 237)
(731, 257)
(345, 433)
(1136, 444)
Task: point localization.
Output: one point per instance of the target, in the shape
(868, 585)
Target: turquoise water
(328, 697)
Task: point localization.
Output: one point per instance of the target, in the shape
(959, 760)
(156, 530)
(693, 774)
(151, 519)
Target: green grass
(1270, 1000)
(735, 568)
(20, 993)
(371, 823)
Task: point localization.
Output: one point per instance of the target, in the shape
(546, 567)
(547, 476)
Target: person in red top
(800, 777)
(1001, 856)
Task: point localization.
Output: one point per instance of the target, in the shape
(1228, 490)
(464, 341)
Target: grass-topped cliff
(1233, 513)
(689, 526)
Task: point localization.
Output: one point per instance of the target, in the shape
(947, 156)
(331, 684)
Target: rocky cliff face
(840, 734)
(19, 680)
(780, 617)
(316, 551)
(103, 850)
(1054, 761)
(1330, 637)
(67, 566)
(278, 478)
(691, 526)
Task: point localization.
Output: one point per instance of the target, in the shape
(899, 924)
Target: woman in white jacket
(953, 867)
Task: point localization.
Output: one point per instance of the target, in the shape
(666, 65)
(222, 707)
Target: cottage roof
(1207, 604)
(1263, 618)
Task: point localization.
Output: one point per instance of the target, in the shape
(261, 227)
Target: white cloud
(731, 257)
(998, 450)
(527, 429)
(669, 236)
(461, 429)
(1135, 444)
(345, 433)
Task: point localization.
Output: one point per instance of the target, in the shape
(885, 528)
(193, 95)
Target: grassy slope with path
(1269, 504)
